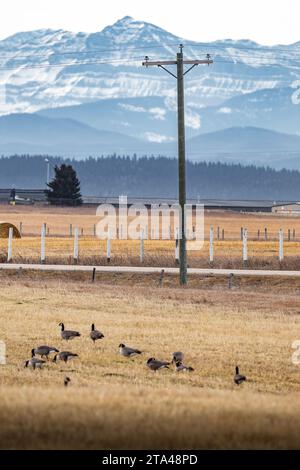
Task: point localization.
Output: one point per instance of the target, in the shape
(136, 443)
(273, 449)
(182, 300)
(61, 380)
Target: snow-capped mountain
(94, 86)
(51, 68)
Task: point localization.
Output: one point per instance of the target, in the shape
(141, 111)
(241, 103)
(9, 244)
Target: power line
(236, 58)
(286, 49)
(70, 64)
(230, 56)
(93, 51)
(271, 49)
(233, 61)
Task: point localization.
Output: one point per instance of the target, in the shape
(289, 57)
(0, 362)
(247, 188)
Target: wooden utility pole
(180, 62)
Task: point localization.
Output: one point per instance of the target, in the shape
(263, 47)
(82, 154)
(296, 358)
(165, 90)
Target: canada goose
(68, 334)
(66, 381)
(35, 363)
(128, 352)
(239, 378)
(182, 368)
(177, 357)
(43, 351)
(64, 356)
(95, 334)
(155, 365)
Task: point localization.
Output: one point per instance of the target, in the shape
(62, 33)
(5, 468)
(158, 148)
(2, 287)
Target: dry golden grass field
(58, 220)
(117, 403)
(227, 252)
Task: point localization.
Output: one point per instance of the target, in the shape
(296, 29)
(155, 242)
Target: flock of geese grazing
(153, 364)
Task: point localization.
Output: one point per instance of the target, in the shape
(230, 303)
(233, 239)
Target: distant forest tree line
(155, 177)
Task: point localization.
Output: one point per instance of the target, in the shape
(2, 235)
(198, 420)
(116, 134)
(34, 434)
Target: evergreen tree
(65, 187)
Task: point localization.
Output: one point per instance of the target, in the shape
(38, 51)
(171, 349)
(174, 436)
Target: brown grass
(227, 253)
(117, 403)
(58, 220)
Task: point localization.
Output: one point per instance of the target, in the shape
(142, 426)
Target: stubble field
(117, 403)
(114, 402)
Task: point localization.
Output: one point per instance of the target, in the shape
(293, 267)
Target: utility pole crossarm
(163, 63)
(198, 62)
(147, 63)
(158, 63)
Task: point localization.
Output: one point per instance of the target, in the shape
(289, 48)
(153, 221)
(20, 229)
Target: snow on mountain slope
(52, 68)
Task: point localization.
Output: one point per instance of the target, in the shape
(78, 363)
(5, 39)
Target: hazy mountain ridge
(30, 133)
(35, 134)
(270, 109)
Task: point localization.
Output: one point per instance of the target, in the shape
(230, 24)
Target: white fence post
(43, 243)
(177, 245)
(245, 247)
(76, 237)
(281, 256)
(108, 247)
(211, 244)
(2, 353)
(10, 239)
(142, 247)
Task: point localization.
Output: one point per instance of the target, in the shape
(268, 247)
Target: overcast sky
(265, 21)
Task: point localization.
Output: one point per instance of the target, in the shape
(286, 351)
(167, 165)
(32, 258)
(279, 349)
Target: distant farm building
(4, 230)
(292, 208)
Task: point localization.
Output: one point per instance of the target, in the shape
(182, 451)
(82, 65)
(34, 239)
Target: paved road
(149, 270)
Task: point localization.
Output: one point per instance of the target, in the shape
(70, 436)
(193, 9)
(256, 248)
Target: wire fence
(269, 249)
(221, 233)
